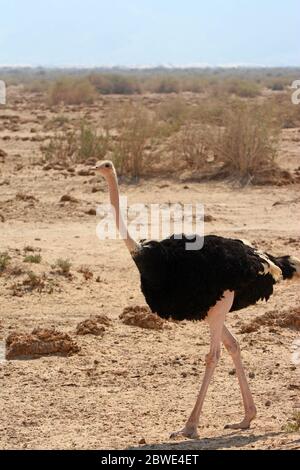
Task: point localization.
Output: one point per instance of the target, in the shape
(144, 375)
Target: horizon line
(200, 66)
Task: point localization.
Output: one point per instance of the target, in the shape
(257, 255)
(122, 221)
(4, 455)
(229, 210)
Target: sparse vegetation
(247, 147)
(76, 146)
(4, 261)
(135, 127)
(189, 148)
(243, 88)
(72, 91)
(86, 271)
(35, 259)
(63, 266)
(34, 281)
(294, 424)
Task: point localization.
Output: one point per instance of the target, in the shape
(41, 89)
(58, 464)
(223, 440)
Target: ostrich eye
(107, 165)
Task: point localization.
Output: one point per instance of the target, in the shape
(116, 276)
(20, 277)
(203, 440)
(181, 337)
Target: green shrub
(4, 261)
(35, 259)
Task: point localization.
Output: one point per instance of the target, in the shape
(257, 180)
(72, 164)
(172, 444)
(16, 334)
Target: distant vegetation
(210, 123)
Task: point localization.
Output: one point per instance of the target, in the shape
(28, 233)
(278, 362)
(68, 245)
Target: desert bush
(164, 84)
(36, 259)
(76, 147)
(108, 84)
(242, 88)
(63, 266)
(72, 91)
(91, 144)
(294, 424)
(37, 86)
(57, 122)
(247, 146)
(4, 261)
(277, 86)
(61, 149)
(135, 127)
(189, 147)
(174, 112)
(285, 111)
(34, 281)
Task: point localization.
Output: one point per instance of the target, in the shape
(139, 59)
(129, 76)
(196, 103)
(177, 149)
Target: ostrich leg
(233, 348)
(215, 317)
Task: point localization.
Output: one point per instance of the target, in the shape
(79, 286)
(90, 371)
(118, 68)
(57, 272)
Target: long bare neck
(131, 244)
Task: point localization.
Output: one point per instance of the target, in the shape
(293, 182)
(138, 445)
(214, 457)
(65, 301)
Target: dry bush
(189, 148)
(4, 261)
(61, 149)
(135, 127)
(91, 144)
(241, 88)
(63, 266)
(76, 147)
(163, 84)
(86, 271)
(285, 111)
(108, 84)
(37, 86)
(174, 112)
(294, 424)
(247, 147)
(72, 91)
(35, 259)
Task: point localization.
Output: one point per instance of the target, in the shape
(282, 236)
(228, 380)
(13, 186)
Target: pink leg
(216, 317)
(233, 348)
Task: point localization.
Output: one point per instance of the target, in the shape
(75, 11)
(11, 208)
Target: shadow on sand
(220, 442)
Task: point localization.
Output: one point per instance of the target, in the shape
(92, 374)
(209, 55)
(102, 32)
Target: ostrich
(225, 275)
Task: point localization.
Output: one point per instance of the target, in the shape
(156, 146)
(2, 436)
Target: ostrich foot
(245, 424)
(189, 431)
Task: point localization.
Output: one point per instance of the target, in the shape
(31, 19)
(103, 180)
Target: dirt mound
(289, 319)
(142, 317)
(103, 319)
(90, 327)
(41, 342)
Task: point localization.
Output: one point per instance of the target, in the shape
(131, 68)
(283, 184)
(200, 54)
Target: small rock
(232, 372)
(142, 441)
(251, 375)
(68, 198)
(91, 212)
(268, 403)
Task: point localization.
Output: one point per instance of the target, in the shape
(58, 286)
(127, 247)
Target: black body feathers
(184, 284)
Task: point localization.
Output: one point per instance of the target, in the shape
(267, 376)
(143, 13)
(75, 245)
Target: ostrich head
(105, 168)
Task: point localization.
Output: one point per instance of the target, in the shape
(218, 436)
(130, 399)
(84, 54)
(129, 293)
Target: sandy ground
(132, 384)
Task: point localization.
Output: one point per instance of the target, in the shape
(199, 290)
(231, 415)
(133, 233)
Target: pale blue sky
(149, 32)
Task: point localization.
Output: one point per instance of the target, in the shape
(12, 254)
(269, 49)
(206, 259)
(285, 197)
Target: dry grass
(189, 148)
(4, 261)
(75, 146)
(63, 266)
(135, 127)
(72, 91)
(294, 424)
(247, 147)
(35, 259)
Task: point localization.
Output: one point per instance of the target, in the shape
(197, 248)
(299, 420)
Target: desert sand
(130, 387)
